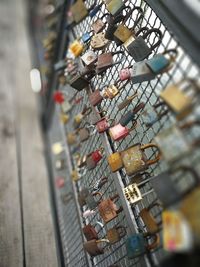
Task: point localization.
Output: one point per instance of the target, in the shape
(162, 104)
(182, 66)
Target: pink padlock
(97, 155)
(125, 74)
(118, 131)
(60, 182)
(102, 125)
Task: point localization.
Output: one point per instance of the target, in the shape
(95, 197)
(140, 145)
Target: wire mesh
(70, 218)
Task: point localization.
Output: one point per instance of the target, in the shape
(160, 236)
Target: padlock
(115, 234)
(110, 92)
(92, 246)
(60, 182)
(152, 226)
(90, 200)
(95, 116)
(115, 161)
(76, 48)
(64, 118)
(130, 115)
(57, 148)
(95, 97)
(89, 57)
(141, 73)
(79, 11)
(99, 25)
(177, 234)
(86, 37)
(66, 106)
(79, 82)
(139, 50)
(132, 38)
(60, 164)
(72, 138)
(98, 41)
(125, 74)
(112, 25)
(86, 132)
(123, 33)
(135, 160)
(119, 132)
(126, 102)
(80, 116)
(93, 158)
(84, 192)
(173, 144)
(178, 97)
(166, 188)
(108, 209)
(114, 6)
(103, 125)
(90, 232)
(161, 63)
(151, 115)
(106, 61)
(59, 97)
(95, 9)
(136, 244)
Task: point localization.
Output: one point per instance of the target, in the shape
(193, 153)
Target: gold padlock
(76, 48)
(75, 175)
(178, 100)
(114, 6)
(64, 118)
(115, 161)
(79, 11)
(71, 138)
(110, 92)
(123, 33)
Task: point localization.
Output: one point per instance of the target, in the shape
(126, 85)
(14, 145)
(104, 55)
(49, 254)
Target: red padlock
(97, 155)
(58, 97)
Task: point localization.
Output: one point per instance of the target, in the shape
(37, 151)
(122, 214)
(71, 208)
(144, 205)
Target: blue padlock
(136, 244)
(86, 37)
(130, 115)
(160, 63)
(95, 10)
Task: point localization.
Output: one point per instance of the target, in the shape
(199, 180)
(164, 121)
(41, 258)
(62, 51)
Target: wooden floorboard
(19, 107)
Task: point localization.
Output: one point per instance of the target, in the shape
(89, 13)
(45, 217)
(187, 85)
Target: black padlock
(139, 49)
(78, 82)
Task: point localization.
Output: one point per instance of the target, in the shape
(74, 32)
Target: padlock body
(76, 48)
(102, 125)
(129, 116)
(96, 156)
(90, 232)
(98, 41)
(158, 63)
(138, 49)
(122, 33)
(135, 246)
(104, 60)
(89, 57)
(66, 106)
(90, 163)
(114, 6)
(86, 37)
(132, 193)
(79, 11)
(118, 132)
(110, 92)
(115, 161)
(98, 26)
(134, 159)
(107, 210)
(124, 74)
(92, 248)
(141, 73)
(78, 82)
(113, 235)
(150, 116)
(95, 98)
(84, 134)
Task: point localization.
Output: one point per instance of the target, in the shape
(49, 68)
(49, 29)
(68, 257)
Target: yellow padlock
(71, 138)
(115, 161)
(111, 91)
(177, 100)
(75, 175)
(78, 118)
(64, 118)
(123, 33)
(76, 48)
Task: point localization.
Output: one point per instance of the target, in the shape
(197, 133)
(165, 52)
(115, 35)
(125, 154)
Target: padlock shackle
(120, 60)
(141, 30)
(157, 157)
(139, 107)
(156, 241)
(156, 31)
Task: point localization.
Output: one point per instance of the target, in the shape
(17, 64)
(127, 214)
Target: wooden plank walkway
(23, 180)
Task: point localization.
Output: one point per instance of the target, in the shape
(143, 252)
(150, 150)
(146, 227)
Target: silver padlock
(140, 73)
(66, 106)
(89, 57)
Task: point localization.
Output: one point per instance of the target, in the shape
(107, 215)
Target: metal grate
(70, 219)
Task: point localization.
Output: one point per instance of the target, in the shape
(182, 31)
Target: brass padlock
(116, 233)
(115, 161)
(123, 33)
(135, 160)
(114, 6)
(72, 138)
(177, 98)
(79, 11)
